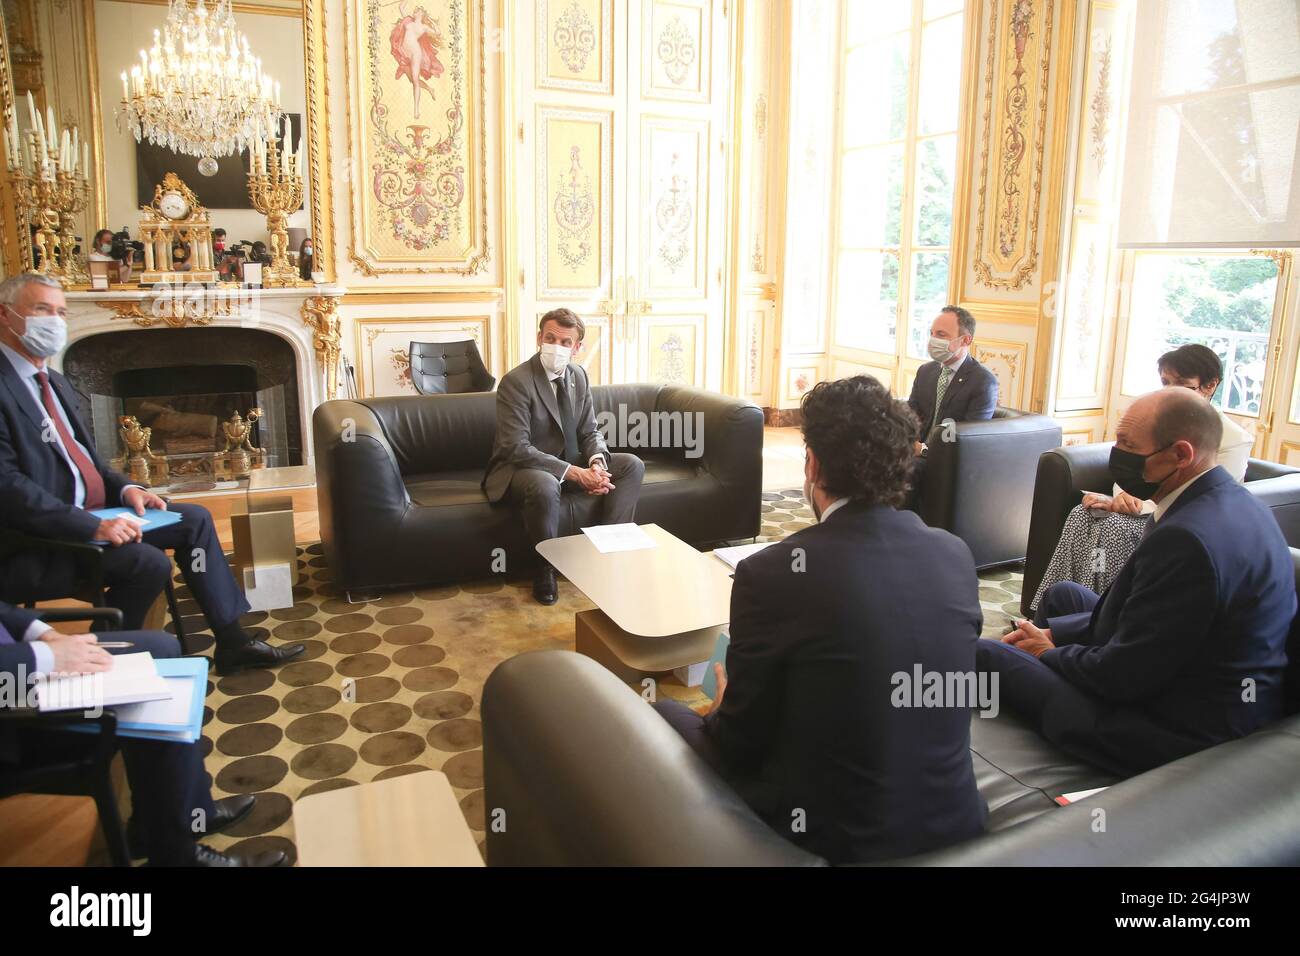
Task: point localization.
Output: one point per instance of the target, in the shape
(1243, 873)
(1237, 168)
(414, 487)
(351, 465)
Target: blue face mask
(45, 336)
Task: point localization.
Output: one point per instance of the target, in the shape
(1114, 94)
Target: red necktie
(90, 477)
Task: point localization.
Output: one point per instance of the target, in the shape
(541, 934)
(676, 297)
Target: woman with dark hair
(305, 260)
(1112, 525)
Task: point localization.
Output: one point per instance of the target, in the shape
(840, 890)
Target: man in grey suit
(547, 442)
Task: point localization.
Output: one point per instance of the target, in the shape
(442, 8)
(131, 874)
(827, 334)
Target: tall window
(899, 94)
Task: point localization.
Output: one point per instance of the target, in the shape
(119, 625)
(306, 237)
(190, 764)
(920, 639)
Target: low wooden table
(412, 820)
(658, 609)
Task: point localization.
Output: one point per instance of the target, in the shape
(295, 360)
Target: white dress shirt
(44, 654)
(27, 372)
(1170, 498)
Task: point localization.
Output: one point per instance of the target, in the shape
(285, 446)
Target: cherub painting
(415, 41)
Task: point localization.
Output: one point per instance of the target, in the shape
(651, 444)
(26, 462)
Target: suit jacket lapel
(544, 388)
(22, 397)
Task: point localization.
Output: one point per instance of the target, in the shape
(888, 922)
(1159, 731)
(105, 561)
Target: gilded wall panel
(575, 45)
(574, 191)
(675, 50)
(1017, 65)
(674, 206)
(418, 137)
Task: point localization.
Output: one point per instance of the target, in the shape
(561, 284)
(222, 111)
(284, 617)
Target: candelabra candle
(275, 190)
(50, 189)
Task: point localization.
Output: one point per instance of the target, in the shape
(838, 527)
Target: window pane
(1209, 44)
(929, 294)
(1223, 302)
(940, 76)
(866, 301)
(875, 92)
(866, 19)
(936, 168)
(871, 197)
(938, 8)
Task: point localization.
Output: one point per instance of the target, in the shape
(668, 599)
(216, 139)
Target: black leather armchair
(1065, 474)
(398, 481)
(603, 780)
(978, 482)
(440, 368)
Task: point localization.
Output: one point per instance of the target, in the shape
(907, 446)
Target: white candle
(50, 125)
(85, 160)
(126, 93)
(300, 160)
(31, 108)
(40, 133)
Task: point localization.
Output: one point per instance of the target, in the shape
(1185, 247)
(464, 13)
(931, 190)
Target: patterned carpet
(392, 685)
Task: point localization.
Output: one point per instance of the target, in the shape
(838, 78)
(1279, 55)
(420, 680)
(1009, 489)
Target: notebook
(178, 717)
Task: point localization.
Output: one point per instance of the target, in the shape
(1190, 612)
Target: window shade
(1214, 125)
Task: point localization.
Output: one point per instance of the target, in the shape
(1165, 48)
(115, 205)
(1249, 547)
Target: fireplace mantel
(306, 318)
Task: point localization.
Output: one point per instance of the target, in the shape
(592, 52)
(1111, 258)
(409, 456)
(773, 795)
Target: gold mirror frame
(320, 161)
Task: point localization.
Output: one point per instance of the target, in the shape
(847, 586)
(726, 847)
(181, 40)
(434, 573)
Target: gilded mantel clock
(177, 235)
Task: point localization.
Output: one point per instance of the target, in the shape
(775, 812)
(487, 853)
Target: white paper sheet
(733, 556)
(609, 538)
(132, 678)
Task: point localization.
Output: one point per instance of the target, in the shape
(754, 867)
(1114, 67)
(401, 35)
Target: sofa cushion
(1019, 774)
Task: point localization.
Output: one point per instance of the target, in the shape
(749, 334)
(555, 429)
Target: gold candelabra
(275, 188)
(49, 177)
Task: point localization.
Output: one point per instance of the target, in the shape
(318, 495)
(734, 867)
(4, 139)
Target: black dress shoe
(204, 855)
(254, 654)
(230, 810)
(544, 588)
(225, 813)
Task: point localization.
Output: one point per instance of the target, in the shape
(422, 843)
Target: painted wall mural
(1016, 71)
(418, 137)
(574, 180)
(575, 49)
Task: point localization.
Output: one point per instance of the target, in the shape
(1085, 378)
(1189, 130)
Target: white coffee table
(657, 609)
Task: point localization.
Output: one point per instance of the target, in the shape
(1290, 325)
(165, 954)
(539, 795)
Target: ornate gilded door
(620, 179)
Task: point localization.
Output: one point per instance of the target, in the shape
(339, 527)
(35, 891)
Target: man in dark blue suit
(809, 724)
(1187, 647)
(952, 386)
(170, 790)
(51, 478)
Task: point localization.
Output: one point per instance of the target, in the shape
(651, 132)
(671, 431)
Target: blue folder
(191, 670)
(152, 519)
(710, 683)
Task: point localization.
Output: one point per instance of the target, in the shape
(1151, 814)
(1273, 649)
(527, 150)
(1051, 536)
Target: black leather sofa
(398, 482)
(976, 484)
(1064, 474)
(588, 774)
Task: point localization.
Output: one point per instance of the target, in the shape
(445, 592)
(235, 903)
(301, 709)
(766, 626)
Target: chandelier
(199, 90)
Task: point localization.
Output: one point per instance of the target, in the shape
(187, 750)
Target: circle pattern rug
(392, 684)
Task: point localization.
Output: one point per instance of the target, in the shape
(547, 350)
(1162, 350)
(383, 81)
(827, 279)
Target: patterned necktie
(568, 423)
(90, 476)
(944, 377)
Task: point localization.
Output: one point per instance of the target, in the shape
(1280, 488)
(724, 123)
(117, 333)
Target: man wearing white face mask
(951, 387)
(52, 479)
(547, 442)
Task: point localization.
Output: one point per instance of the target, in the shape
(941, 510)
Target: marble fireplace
(184, 360)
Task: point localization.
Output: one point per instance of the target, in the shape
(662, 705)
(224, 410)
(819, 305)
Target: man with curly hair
(806, 724)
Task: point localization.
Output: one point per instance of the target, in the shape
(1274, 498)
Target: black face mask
(1126, 469)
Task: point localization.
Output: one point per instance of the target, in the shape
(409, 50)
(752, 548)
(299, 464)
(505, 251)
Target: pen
(114, 644)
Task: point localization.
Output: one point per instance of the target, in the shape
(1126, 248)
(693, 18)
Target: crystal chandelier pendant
(199, 90)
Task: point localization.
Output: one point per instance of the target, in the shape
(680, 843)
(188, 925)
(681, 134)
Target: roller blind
(1214, 125)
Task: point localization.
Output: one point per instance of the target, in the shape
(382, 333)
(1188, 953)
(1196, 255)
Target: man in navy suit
(51, 479)
(808, 724)
(170, 790)
(1187, 647)
(952, 386)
